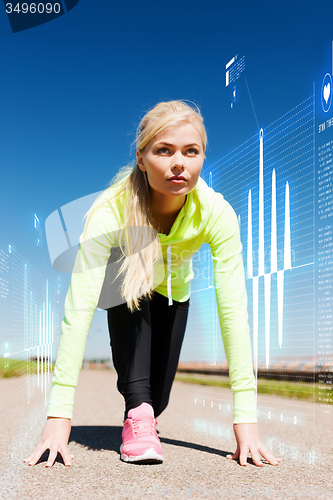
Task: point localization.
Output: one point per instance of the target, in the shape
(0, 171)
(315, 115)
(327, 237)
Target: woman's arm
(80, 305)
(226, 249)
(231, 299)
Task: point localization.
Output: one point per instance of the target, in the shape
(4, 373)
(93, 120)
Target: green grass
(319, 393)
(16, 367)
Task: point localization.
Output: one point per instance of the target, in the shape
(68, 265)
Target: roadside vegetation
(319, 393)
(17, 367)
(315, 392)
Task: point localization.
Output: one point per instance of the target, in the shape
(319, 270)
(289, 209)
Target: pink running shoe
(140, 440)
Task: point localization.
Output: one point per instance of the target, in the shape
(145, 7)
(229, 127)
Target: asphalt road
(196, 435)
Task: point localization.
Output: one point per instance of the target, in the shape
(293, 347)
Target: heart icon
(327, 91)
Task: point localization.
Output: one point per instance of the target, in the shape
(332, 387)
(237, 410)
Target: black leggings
(145, 348)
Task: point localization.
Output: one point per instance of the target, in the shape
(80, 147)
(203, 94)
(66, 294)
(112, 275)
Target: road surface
(196, 435)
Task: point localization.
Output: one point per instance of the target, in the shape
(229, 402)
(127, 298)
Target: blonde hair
(141, 247)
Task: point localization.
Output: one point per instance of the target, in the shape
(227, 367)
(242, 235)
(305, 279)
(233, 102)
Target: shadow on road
(97, 437)
(104, 437)
(195, 446)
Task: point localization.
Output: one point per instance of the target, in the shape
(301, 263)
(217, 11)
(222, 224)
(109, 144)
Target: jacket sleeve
(226, 249)
(80, 305)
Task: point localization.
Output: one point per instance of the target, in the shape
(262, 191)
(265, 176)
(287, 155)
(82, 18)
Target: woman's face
(173, 160)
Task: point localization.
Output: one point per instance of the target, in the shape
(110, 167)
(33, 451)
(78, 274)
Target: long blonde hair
(141, 248)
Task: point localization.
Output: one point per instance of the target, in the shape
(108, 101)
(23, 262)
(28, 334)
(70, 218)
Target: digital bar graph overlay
(29, 309)
(270, 181)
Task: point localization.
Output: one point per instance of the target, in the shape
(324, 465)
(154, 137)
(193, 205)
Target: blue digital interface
(280, 184)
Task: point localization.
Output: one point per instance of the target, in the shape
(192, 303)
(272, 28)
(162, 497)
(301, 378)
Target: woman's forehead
(178, 132)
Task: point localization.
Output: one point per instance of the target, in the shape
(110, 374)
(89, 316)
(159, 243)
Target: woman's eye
(192, 151)
(163, 151)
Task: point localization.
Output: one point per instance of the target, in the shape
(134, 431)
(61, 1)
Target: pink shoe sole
(150, 456)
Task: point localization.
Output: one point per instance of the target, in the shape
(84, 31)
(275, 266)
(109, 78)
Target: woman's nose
(178, 163)
(178, 168)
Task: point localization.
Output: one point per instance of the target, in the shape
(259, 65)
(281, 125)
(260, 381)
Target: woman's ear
(139, 160)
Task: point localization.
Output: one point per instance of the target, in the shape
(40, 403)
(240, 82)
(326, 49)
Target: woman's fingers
(35, 456)
(67, 458)
(235, 455)
(242, 455)
(52, 456)
(249, 441)
(267, 455)
(243, 459)
(256, 458)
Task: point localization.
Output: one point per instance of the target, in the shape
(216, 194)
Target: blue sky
(73, 90)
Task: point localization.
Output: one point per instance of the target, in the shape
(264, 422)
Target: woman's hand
(55, 438)
(248, 440)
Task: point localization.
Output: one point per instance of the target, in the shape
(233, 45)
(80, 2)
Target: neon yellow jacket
(206, 217)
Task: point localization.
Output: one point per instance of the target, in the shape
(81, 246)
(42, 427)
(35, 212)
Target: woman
(155, 219)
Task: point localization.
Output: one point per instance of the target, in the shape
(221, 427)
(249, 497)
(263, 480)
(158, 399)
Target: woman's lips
(177, 180)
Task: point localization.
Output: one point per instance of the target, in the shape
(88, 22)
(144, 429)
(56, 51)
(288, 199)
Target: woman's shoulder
(216, 212)
(106, 213)
(108, 200)
(210, 199)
